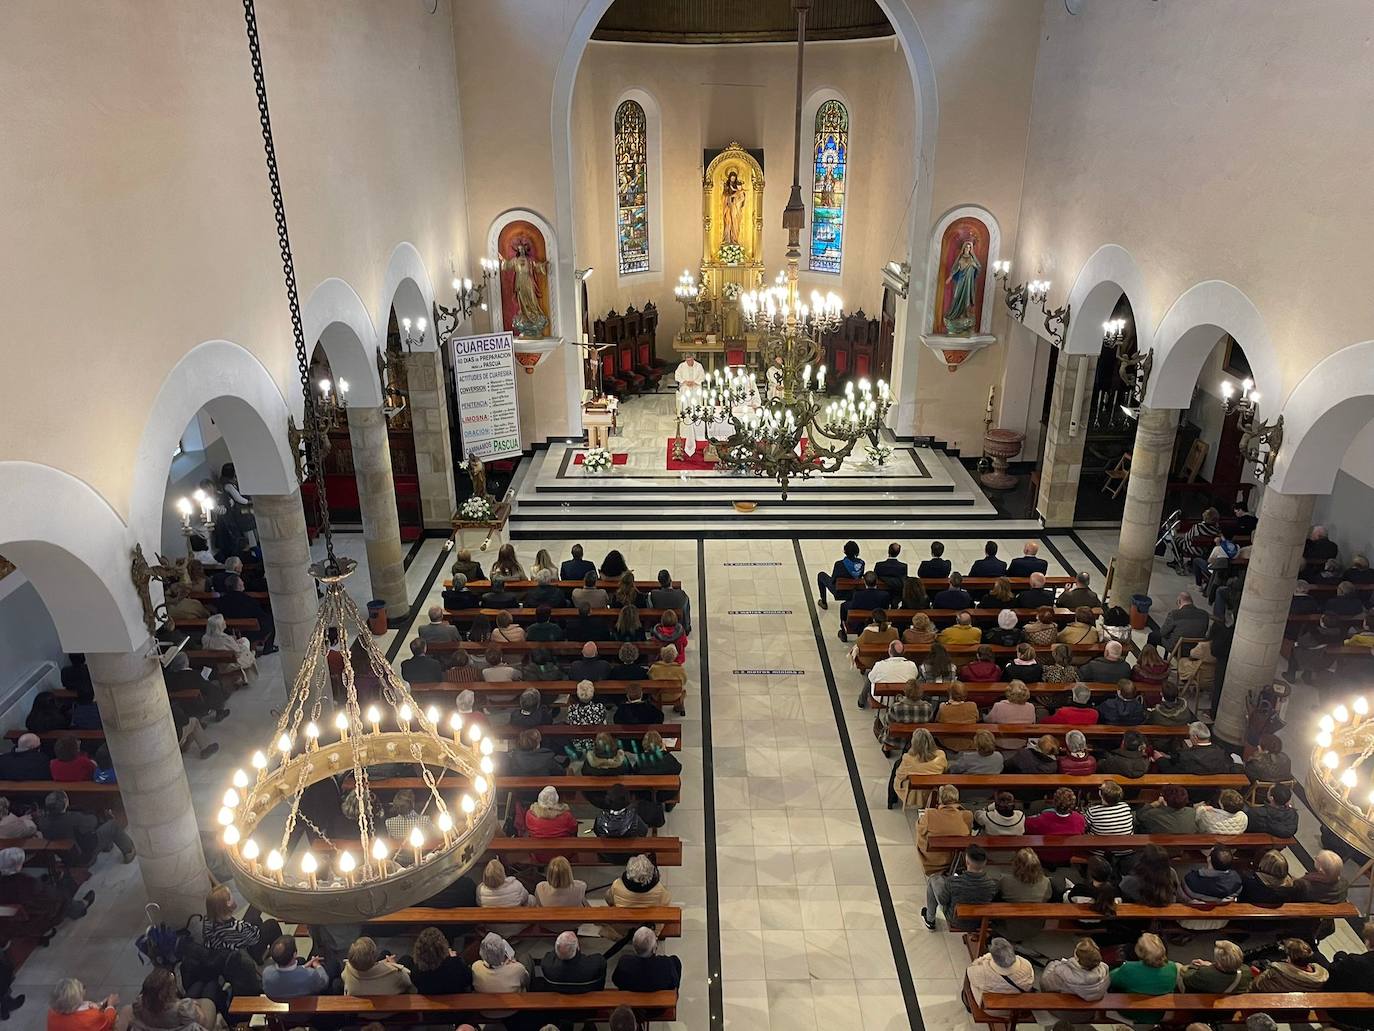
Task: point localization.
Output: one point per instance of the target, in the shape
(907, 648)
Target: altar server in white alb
(690, 373)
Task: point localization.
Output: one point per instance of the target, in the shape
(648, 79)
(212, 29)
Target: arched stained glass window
(831, 166)
(631, 188)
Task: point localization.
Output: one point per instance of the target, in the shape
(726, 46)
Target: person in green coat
(1151, 973)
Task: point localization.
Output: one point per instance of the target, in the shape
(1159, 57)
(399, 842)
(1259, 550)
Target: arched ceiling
(733, 21)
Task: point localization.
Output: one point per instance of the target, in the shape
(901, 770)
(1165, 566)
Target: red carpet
(617, 458)
(693, 462)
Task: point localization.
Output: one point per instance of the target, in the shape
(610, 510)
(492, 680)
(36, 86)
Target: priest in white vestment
(690, 374)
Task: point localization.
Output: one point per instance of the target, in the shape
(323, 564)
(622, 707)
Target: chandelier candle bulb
(474, 735)
(226, 816)
(1327, 724)
(374, 717)
(1330, 761)
(1361, 706)
(469, 807)
(404, 715)
(480, 783)
(346, 866)
(432, 714)
(487, 766)
(417, 842)
(310, 867)
(341, 725)
(1342, 714)
(231, 799)
(455, 724)
(312, 736)
(1348, 780)
(274, 865)
(231, 835)
(379, 853)
(445, 824)
(250, 853)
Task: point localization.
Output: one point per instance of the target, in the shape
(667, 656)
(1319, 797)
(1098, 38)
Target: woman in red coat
(1151, 667)
(1077, 761)
(983, 669)
(549, 818)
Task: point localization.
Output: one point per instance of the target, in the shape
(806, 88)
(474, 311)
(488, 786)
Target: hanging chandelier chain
(313, 431)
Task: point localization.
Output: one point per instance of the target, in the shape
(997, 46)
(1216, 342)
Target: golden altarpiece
(731, 259)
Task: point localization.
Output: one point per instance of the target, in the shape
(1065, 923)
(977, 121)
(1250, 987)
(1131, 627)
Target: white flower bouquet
(731, 291)
(477, 509)
(877, 454)
(596, 460)
(730, 254)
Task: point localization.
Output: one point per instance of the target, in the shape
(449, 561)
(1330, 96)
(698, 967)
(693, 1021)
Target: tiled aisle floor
(803, 931)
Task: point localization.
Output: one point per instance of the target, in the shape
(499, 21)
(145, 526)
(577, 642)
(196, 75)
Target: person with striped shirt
(1112, 815)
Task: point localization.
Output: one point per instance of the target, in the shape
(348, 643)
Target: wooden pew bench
(964, 653)
(860, 618)
(187, 695)
(649, 617)
(1058, 730)
(670, 732)
(972, 584)
(534, 921)
(1181, 843)
(1048, 782)
(244, 626)
(517, 586)
(648, 650)
(986, 912)
(410, 1010)
(986, 693)
(1007, 1009)
(654, 689)
(84, 794)
(664, 788)
(667, 851)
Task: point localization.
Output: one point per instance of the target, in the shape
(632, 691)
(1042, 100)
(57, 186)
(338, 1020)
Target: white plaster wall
(1214, 141)
(137, 220)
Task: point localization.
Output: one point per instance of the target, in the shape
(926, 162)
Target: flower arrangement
(477, 509)
(731, 291)
(877, 453)
(596, 460)
(730, 254)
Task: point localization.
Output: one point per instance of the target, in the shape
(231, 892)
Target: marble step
(765, 493)
(840, 527)
(791, 511)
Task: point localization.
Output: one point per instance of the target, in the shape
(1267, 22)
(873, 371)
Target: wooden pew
(261, 597)
(860, 618)
(648, 617)
(231, 624)
(1009, 1009)
(981, 693)
(535, 921)
(516, 586)
(84, 794)
(410, 1010)
(1049, 781)
(1095, 730)
(963, 653)
(670, 732)
(666, 788)
(568, 649)
(187, 695)
(667, 851)
(652, 688)
(986, 912)
(972, 584)
(956, 843)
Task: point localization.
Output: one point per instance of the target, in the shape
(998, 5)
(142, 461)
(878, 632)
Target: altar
(731, 262)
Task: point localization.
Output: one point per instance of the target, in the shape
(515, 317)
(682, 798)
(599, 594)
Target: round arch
(337, 319)
(1110, 272)
(76, 551)
(408, 288)
(1323, 415)
(922, 70)
(1201, 316)
(239, 394)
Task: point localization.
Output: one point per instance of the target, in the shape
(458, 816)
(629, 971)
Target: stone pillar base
(137, 718)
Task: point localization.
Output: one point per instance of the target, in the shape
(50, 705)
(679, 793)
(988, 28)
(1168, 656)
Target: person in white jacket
(1085, 975)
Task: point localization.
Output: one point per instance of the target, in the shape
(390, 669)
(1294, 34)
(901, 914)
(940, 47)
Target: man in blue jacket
(851, 567)
(989, 565)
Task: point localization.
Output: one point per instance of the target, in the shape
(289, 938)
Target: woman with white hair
(70, 1010)
(999, 968)
(1077, 761)
(1008, 632)
(549, 818)
(43, 903)
(498, 971)
(586, 711)
(638, 887)
(666, 667)
(217, 639)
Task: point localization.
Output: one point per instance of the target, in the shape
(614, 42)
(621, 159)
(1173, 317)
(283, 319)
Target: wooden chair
(1192, 465)
(1118, 476)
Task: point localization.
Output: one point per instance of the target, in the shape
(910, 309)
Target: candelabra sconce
(1056, 321)
(1259, 441)
(412, 340)
(186, 508)
(389, 374)
(1015, 296)
(333, 404)
(1134, 367)
(688, 294)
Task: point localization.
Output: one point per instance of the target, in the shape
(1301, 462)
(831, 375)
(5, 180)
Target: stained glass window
(829, 174)
(631, 188)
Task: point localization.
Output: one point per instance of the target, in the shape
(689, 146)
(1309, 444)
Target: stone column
(377, 499)
(1150, 459)
(134, 711)
(1275, 559)
(1063, 459)
(429, 422)
(286, 560)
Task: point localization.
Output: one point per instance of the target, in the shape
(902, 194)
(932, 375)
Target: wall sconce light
(1015, 295)
(186, 507)
(583, 274)
(1039, 290)
(421, 324)
(1259, 442)
(1133, 368)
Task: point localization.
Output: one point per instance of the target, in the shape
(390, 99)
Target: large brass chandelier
(364, 873)
(798, 430)
(1340, 780)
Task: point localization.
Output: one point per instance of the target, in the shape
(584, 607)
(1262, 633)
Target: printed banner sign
(484, 370)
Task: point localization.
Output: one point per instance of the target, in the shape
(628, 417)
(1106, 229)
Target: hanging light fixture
(1339, 788)
(798, 431)
(1259, 441)
(262, 809)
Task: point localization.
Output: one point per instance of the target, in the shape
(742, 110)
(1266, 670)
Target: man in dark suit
(421, 668)
(26, 762)
(1187, 620)
(576, 567)
(235, 604)
(872, 595)
(570, 971)
(892, 570)
(498, 597)
(233, 566)
(989, 565)
(954, 596)
(1036, 595)
(1028, 562)
(458, 596)
(639, 970)
(1081, 594)
(937, 566)
(546, 592)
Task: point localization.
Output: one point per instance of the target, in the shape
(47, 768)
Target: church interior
(687, 433)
